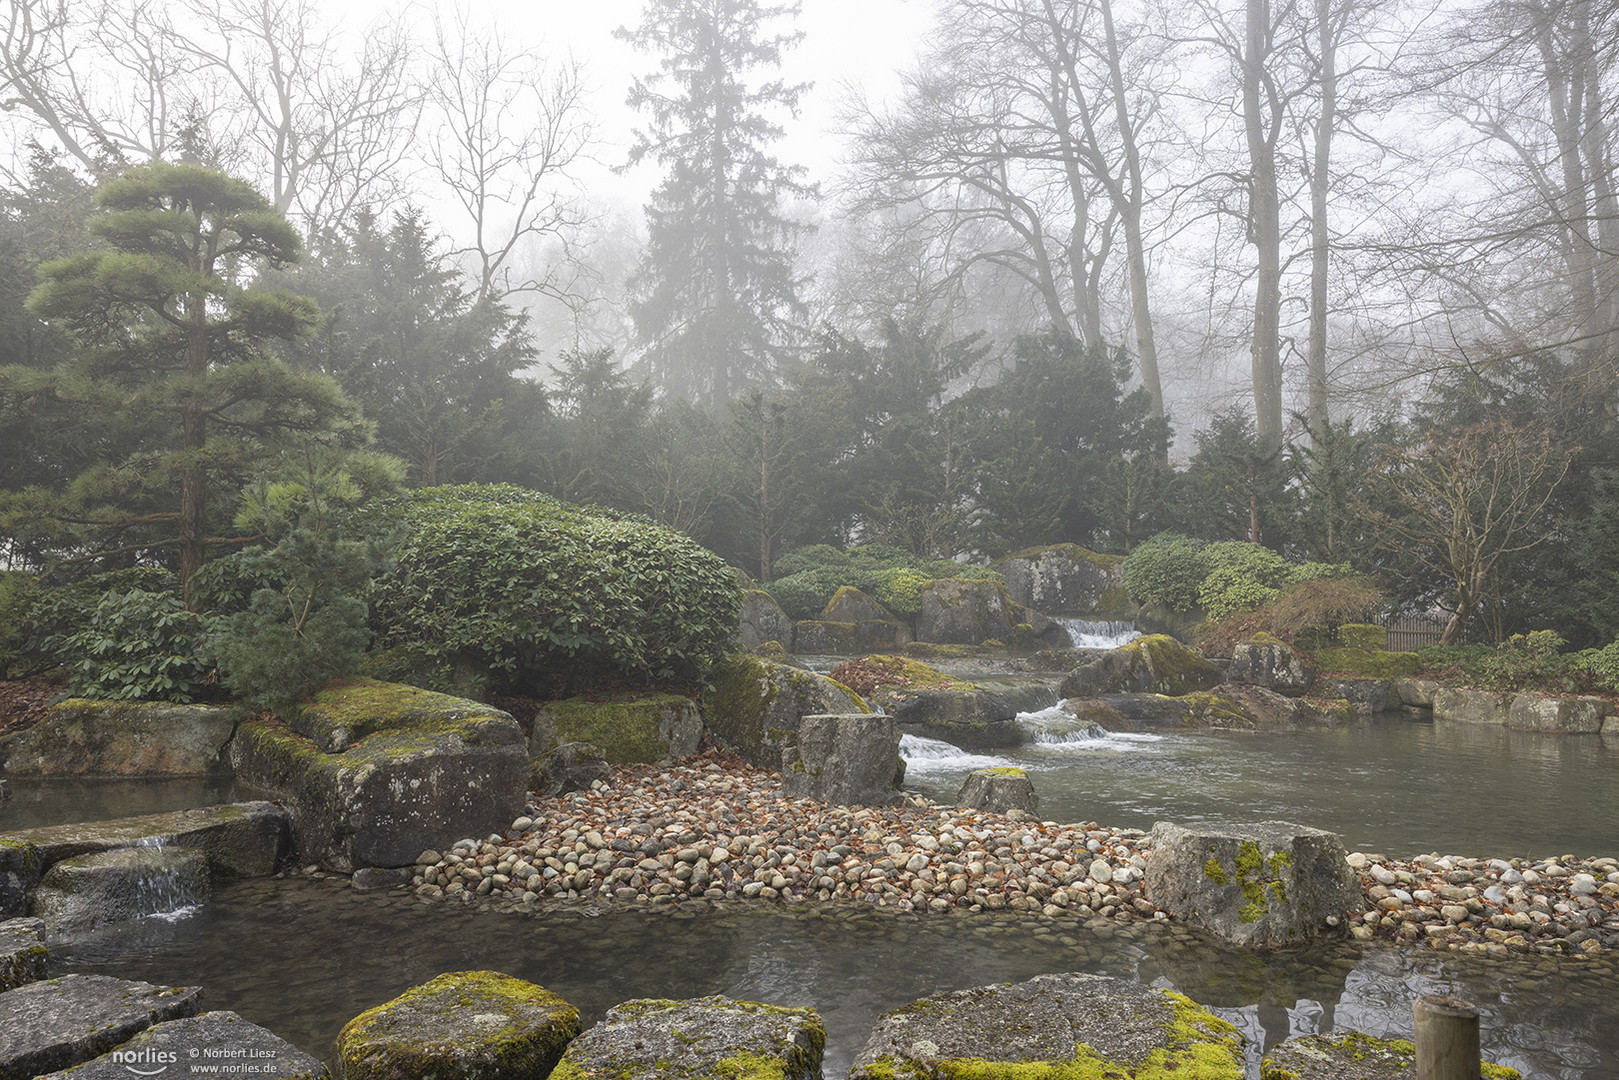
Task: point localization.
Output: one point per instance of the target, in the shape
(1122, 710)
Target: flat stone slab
(58, 1023)
(105, 887)
(711, 1038)
(463, 1025)
(1052, 1025)
(248, 839)
(22, 952)
(1351, 1055)
(221, 1042)
(124, 738)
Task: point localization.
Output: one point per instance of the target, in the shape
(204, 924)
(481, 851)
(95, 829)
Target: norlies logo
(131, 1059)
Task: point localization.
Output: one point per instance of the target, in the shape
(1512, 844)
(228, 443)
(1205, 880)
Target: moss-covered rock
(926, 701)
(634, 729)
(20, 867)
(1263, 885)
(711, 1038)
(1066, 579)
(221, 1040)
(1053, 1027)
(764, 621)
(958, 611)
(1352, 1055)
(1151, 664)
(998, 790)
(849, 760)
(124, 738)
(248, 839)
(108, 887)
(823, 638)
(430, 770)
(1471, 706)
(23, 953)
(849, 604)
(754, 705)
(464, 1025)
(1368, 663)
(1230, 708)
(1272, 664)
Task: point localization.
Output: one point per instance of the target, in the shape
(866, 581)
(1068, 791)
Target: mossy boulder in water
(711, 1038)
(59, 1023)
(754, 705)
(1352, 1055)
(998, 790)
(1066, 579)
(213, 1040)
(423, 769)
(124, 738)
(1055, 1027)
(463, 1025)
(1272, 664)
(1264, 885)
(1152, 664)
(1230, 708)
(926, 701)
(643, 729)
(22, 952)
(107, 887)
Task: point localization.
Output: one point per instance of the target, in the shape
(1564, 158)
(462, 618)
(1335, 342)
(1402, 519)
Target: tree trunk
(193, 539)
(1264, 228)
(1316, 412)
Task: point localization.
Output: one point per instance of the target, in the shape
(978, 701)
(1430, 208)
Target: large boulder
(763, 620)
(124, 738)
(249, 839)
(849, 760)
(925, 701)
(711, 1038)
(57, 1023)
(21, 863)
(755, 705)
(1272, 664)
(107, 887)
(956, 611)
(23, 952)
(1050, 1026)
(998, 790)
(220, 1042)
(1152, 664)
(1416, 693)
(1367, 695)
(1471, 706)
(849, 604)
(644, 729)
(1264, 885)
(1066, 579)
(1535, 712)
(464, 1025)
(823, 638)
(423, 769)
(1230, 708)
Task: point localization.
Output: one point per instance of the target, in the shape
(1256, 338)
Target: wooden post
(1447, 1039)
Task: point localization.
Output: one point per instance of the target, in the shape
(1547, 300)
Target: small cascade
(1057, 729)
(924, 755)
(145, 881)
(1099, 633)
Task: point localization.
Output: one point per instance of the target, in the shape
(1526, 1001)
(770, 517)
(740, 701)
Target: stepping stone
(107, 887)
(711, 1038)
(58, 1023)
(1351, 1055)
(22, 952)
(221, 1042)
(464, 1025)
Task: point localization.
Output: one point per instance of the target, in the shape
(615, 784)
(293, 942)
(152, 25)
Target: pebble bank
(713, 830)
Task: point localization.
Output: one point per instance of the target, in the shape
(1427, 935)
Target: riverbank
(712, 831)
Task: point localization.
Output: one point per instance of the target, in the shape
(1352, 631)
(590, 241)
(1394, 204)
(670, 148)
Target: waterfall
(1099, 634)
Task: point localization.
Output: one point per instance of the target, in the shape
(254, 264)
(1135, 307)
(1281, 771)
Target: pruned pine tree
(717, 294)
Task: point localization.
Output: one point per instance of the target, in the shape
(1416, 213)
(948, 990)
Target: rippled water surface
(302, 957)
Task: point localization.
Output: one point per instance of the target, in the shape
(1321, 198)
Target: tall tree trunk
(1264, 228)
(193, 539)
(1316, 411)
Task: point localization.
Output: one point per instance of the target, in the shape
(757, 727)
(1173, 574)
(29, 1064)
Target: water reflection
(303, 957)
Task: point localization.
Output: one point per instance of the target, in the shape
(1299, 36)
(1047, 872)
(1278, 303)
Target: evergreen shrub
(1166, 571)
(137, 645)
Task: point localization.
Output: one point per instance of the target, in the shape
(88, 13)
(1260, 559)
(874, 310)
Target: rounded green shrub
(1166, 571)
(1241, 577)
(523, 585)
(138, 645)
(900, 590)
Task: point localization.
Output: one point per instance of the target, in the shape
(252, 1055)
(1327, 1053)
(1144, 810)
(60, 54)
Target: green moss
(1362, 636)
(1207, 709)
(366, 706)
(1004, 770)
(1214, 871)
(1369, 663)
(20, 857)
(626, 730)
(1255, 878)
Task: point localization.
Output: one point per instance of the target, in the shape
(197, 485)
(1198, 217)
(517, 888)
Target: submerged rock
(849, 760)
(711, 1038)
(58, 1023)
(644, 729)
(1152, 664)
(1263, 885)
(107, 887)
(1052, 1025)
(22, 952)
(464, 1025)
(219, 1041)
(124, 738)
(422, 768)
(1351, 1055)
(755, 705)
(998, 790)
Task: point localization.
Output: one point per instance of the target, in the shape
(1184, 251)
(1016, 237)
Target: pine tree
(717, 294)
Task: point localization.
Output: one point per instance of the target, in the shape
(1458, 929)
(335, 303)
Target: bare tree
(510, 127)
